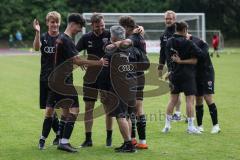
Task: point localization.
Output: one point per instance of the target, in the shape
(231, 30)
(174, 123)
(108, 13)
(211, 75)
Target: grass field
(21, 119)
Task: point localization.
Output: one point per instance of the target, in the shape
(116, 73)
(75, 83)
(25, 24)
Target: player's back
(185, 49)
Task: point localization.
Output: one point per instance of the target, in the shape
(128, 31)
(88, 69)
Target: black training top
(47, 55)
(204, 66)
(65, 50)
(122, 68)
(168, 33)
(138, 42)
(93, 44)
(185, 49)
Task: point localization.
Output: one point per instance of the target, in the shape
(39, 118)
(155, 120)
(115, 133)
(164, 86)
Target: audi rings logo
(126, 68)
(49, 50)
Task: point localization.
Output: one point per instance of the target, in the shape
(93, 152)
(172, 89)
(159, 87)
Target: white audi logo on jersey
(49, 50)
(126, 68)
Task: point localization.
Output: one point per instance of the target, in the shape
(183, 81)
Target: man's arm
(82, 62)
(162, 57)
(176, 58)
(36, 42)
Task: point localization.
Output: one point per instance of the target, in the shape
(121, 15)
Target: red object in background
(215, 41)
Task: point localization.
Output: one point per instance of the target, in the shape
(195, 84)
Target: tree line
(19, 14)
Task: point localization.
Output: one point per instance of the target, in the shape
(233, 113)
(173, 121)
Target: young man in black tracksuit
(45, 42)
(60, 81)
(182, 74)
(205, 86)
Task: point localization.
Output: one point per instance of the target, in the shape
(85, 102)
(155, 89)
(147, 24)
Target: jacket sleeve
(162, 57)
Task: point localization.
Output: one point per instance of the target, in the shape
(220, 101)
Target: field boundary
(17, 52)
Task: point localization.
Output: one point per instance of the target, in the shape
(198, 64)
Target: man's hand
(176, 58)
(160, 70)
(104, 62)
(188, 36)
(139, 30)
(167, 76)
(110, 48)
(84, 68)
(160, 73)
(36, 25)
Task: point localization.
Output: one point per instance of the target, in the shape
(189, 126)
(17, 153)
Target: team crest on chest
(105, 40)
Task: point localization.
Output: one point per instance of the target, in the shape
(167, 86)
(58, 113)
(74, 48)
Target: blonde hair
(53, 15)
(170, 12)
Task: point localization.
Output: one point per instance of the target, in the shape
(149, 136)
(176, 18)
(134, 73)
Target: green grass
(21, 119)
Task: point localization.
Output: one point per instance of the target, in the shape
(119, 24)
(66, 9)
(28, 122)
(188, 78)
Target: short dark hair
(96, 18)
(180, 26)
(127, 21)
(76, 18)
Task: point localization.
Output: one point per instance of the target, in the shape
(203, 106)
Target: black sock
(141, 127)
(47, 123)
(109, 134)
(213, 112)
(55, 124)
(69, 126)
(61, 126)
(199, 114)
(68, 129)
(88, 136)
(133, 120)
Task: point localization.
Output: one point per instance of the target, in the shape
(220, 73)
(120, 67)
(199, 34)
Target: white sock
(42, 137)
(178, 113)
(64, 141)
(190, 121)
(168, 120)
(142, 141)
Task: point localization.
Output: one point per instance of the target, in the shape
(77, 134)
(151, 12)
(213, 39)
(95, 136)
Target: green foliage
(19, 14)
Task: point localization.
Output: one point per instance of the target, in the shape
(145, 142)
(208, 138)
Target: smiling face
(170, 19)
(53, 25)
(98, 27)
(53, 21)
(75, 28)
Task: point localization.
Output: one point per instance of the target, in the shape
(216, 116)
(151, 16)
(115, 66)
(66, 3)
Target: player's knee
(72, 117)
(74, 111)
(65, 112)
(199, 100)
(190, 99)
(89, 105)
(208, 98)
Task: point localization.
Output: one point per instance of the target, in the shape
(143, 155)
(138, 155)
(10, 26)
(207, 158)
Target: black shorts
(123, 110)
(90, 92)
(140, 86)
(44, 94)
(115, 107)
(56, 100)
(205, 85)
(187, 86)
